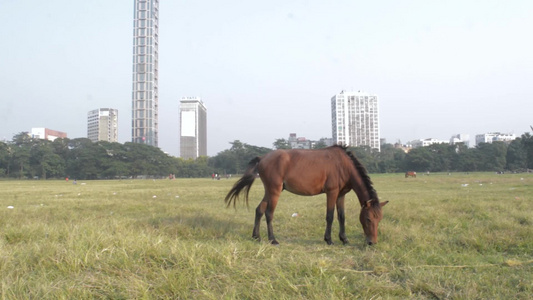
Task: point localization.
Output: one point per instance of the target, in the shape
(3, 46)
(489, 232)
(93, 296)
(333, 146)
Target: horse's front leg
(341, 217)
(329, 217)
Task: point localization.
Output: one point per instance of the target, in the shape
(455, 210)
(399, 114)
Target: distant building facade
(299, 142)
(494, 137)
(47, 134)
(426, 142)
(355, 119)
(102, 125)
(145, 92)
(404, 148)
(460, 138)
(193, 128)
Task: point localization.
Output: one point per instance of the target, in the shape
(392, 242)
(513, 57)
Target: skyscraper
(102, 125)
(144, 125)
(355, 119)
(193, 128)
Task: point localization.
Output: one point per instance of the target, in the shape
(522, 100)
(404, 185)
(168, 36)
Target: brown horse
(333, 171)
(410, 174)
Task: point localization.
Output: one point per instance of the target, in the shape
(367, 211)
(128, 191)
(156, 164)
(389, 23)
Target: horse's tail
(245, 183)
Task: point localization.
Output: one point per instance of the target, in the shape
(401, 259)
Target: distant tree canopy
(235, 160)
(25, 157)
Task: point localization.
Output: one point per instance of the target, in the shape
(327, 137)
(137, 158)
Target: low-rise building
(494, 137)
(426, 142)
(460, 138)
(47, 134)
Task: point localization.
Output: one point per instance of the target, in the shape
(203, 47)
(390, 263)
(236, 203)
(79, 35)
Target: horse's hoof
(274, 242)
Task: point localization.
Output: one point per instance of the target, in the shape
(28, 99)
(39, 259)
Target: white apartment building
(102, 125)
(145, 93)
(426, 142)
(494, 137)
(355, 119)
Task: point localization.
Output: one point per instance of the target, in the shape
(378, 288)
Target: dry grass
(114, 239)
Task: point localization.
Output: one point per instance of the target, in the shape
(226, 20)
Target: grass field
(455, 236)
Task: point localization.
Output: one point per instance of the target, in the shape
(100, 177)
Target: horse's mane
(364, 174)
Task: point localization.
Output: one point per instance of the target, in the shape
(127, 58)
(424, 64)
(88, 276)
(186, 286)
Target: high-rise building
(144, 125)
(102, 125)
(355, 119)
(193, 128)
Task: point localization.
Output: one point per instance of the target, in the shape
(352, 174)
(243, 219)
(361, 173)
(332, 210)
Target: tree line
(27, 158)
(516, 156)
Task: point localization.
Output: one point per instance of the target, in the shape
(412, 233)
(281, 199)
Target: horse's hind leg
(341, 218)
(269, 214)
(267, 207)
(259, 212)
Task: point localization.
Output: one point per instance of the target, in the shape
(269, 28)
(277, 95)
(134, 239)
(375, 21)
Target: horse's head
(370, 216)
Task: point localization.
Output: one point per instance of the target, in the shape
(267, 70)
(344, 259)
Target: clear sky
(269, 68)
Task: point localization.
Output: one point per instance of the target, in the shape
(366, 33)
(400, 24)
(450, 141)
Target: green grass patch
(460, 236)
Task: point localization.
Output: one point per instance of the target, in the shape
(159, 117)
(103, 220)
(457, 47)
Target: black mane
(364, 174)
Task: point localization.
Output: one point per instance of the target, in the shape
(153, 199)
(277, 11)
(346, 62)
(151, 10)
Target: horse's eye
(368, 220)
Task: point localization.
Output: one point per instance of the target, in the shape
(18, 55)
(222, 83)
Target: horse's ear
(368, 203)
(384, 203)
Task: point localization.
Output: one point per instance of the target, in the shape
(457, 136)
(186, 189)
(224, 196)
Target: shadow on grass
(319, 242)
(205, 226)
(197, 226)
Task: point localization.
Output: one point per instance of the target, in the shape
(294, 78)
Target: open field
(443, 236)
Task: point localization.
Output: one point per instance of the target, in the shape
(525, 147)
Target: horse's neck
(360, 189)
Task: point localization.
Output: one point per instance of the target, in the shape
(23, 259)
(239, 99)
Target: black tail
(245, 183)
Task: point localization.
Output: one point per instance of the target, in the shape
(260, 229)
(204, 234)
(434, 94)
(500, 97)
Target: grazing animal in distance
(410, 174)
(333, 171)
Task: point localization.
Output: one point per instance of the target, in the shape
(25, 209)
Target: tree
(21, 154)
(22, 138)
(320, 144)
(466, 160)
(419, 159)
(390, 159)
(5, 159)
(516, 156)
(25, 157)
(281, 144)
(85, 159)
(236, 159)
(492, 156)
(367, 156)
(147, 160)
(443, 157)
(527, 142)
(44, 162)
(224, 162)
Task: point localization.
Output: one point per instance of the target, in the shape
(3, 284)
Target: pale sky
(266, 69)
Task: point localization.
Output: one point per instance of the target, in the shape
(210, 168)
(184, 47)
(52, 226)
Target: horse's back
(297, 160)
(300, 171)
